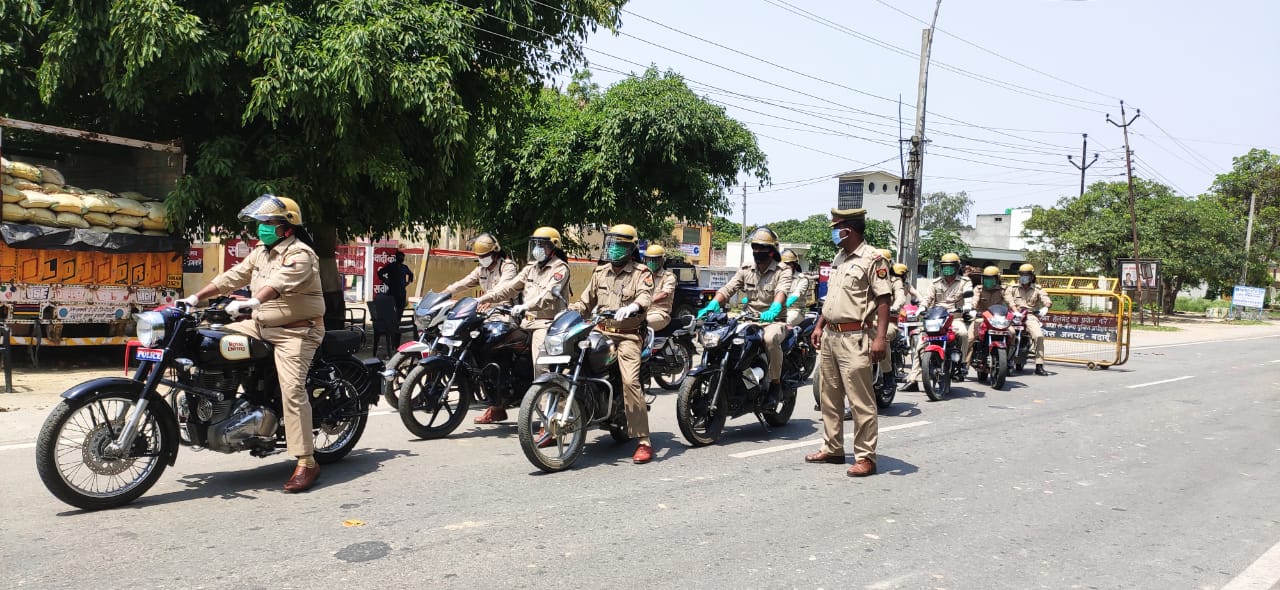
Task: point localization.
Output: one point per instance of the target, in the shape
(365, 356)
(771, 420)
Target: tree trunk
(330, 281)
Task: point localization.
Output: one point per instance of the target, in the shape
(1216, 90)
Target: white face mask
(539, 253)
(1024, 280)
(485, 261)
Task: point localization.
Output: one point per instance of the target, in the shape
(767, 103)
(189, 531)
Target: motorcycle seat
(340, 342)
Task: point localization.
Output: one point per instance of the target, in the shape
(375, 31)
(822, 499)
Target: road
(1158, 474)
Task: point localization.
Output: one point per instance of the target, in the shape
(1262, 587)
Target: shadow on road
(886, 465)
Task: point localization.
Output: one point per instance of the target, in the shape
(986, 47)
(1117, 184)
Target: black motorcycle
(670, 357)
(111, 438)
(428, 314)
(479, 356)
(731, 382)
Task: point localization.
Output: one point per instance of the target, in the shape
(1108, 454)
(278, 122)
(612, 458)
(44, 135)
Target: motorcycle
(110, 439)
(428, 314)
(940, 361)
(671, 355)
(990, 356)
(477, 358)
(730, 380)
(1020, 346)
(582, 390)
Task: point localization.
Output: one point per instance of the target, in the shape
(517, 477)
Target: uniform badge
(558, 276)
(881, 273)
(647, 280)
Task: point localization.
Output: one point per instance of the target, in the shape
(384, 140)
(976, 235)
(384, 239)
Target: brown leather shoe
(492, 414)
(824, 457)
(302, 480)
(644, 454)
(862, 468)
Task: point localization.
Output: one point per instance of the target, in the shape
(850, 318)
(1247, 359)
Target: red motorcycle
(991, 346)
(940, 361)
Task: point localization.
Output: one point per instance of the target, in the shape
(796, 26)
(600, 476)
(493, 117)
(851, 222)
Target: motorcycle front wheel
(937, 379)
(552, 432)
(679, 363)
(1000, 370)
(700, 422)
(73, 460)
(429, 406)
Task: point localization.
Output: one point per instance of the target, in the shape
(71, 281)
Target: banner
(234, 251)
(193, 262)
(1243, 296)
(1080, 326)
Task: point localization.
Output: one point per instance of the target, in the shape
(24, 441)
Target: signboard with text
(1080, 326)
(1243, 296)
(193, 262)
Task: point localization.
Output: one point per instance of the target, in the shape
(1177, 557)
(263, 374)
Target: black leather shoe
(1040, 371)
(774, 396)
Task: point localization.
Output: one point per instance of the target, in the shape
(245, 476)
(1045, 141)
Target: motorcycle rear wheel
(1000, 362)
(884, 395)
(334, 439)
(683, 362)
(540, 411)
(936, 377)
(700, 424)
(422, 395)
(782, 415)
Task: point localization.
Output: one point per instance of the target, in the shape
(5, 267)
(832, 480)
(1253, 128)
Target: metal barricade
(1089, 323)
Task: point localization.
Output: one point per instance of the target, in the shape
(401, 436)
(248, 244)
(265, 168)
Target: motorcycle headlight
(449, 327)
(421, 321)
(933, 325)
(150, 328)
(999, 322)
(712, 339)
(553, 345)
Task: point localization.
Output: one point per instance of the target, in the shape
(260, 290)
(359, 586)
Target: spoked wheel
(700, 422)
(1000, 362)
(553, 432)
(432, 401)
(672, 375)
(76, 464)
(937, 380)
(402, 364)
(338, 432)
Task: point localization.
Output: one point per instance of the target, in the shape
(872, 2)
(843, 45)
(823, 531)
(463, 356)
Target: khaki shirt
(665, 282)
(292, 269)
(759, 287)
(799, 287)
(536, 281)
(900, 297)
(856, 280)
(983, 299)
(949, 296)
(617, 287)
(487, 278)
(1031, 297)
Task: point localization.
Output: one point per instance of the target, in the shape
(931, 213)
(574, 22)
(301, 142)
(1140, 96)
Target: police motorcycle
(201, 386)
(582, 390)
(1020, 341)
(428, 314)
(990, 357)
(730, 381)
(670, 357)
(941, 361)
(479, 356)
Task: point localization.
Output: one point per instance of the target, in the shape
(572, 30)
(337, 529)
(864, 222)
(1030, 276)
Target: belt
(845, 327)
(610, 330)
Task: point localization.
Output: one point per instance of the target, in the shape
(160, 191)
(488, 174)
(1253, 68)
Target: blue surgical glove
(791, 300)
(712, 307)
(770, 314)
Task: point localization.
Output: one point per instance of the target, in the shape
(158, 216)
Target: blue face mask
(835, 236)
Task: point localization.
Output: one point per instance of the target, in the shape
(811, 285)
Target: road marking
(1200, 342)
(16, 446)
(1261, 575)
(1160, 382)
(817, 441)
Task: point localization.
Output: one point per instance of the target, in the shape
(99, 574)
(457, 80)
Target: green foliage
(724, 231)
(815, 230)
(1256, 173)
(940, 241)
(1197, 305)
(945, 211)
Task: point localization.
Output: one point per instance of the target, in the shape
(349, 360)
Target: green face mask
(653, 265)
(990, 283)
(617, 252)
(948, 271)
(267, 233)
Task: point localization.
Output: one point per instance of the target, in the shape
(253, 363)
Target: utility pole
(742, 242)
(1248, 239)
(1133, 215)
(1084, 149)
(911, 188)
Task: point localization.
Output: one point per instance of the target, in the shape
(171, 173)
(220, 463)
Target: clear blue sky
(1202, 72)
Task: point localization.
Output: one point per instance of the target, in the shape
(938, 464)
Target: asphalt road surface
(1158, 474)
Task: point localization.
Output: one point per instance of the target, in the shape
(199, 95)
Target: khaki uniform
(659, 315)
(293, 324)
(614, 288)
(799, 290)
(844, 360)
(761, 288)
(487, 278)
(891, 333)
(951, 296)
(536, 281)
(982, 300)
(1030, 298)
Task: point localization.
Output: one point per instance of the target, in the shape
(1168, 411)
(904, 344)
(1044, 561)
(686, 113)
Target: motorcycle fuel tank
(224, 348)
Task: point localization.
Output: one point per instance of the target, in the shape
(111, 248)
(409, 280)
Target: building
(695, 242)
(873, 190)
(996, 239)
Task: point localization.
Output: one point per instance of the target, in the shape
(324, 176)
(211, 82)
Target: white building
(873, 190)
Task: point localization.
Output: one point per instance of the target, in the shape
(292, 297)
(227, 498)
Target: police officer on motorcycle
(493, 267)
(887, 380)
(799, 288)
(990, 294)
(664, 287)
(947, 291)
(1027, 296)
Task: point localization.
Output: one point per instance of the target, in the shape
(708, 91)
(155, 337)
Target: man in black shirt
(396, 276)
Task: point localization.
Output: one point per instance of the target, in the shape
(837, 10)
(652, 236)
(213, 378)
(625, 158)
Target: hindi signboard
(1243, 296)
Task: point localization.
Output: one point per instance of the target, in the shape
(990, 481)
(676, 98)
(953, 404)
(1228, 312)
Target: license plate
(553, 360)
(150, 354)
(935, 338)
(449, 341)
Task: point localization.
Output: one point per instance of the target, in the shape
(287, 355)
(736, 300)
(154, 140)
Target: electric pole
(1084, 149)
(911, 188)
(1248, 239)
(742, 248)
(1133, 215)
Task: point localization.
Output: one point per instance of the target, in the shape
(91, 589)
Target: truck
(76, 279)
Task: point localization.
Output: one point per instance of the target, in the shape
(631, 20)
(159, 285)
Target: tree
(1256, 173)
(940, 241)
(371, 113)
(815, 230)
(724, 231)
(945, 211)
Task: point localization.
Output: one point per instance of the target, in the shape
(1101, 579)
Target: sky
(1012, 86)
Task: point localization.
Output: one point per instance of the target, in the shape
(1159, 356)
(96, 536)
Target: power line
(1183, 145)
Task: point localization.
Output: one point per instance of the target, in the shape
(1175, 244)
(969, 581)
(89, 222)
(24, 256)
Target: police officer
(664, 291)
(287, 306)
(947, 291)
(888, 382)
(545, 271)
(765, 284)
(990, 294)
(850, 338)
(621, 283)
(493, 267)
(1028, 296)
(799, 288)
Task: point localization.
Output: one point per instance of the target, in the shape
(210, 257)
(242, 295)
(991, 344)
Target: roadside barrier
(1089, 323)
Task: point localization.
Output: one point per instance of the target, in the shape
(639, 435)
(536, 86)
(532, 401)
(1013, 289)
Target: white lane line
(16, 446)
(1162, 381)
(1200, 342)
(1263, 574)
(818, 441)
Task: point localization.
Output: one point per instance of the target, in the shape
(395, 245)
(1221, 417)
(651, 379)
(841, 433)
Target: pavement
(1161, 473)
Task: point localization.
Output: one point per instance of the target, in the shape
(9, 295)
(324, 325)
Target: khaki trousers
(657, 320)
(774, 332)
(890, 335)
(1036, 333)
(627, 347)
(294, 350)
(845, 365)
(538, 329)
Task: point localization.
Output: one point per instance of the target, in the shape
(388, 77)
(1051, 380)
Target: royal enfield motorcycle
(941, 360)
(428, 314)
(198, 385)
(990, 356)
(730, 381)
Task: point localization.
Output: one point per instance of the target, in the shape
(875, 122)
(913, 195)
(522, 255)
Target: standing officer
(765, 284)
(283, 275)
(664, 292)
(990, 294)
(397, 276)
(493, 267)
(947, 291)
(1028, 296)
(850, 338)
(546, 270)
(621, 283)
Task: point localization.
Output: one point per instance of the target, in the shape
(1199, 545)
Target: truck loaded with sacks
(85, 242)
